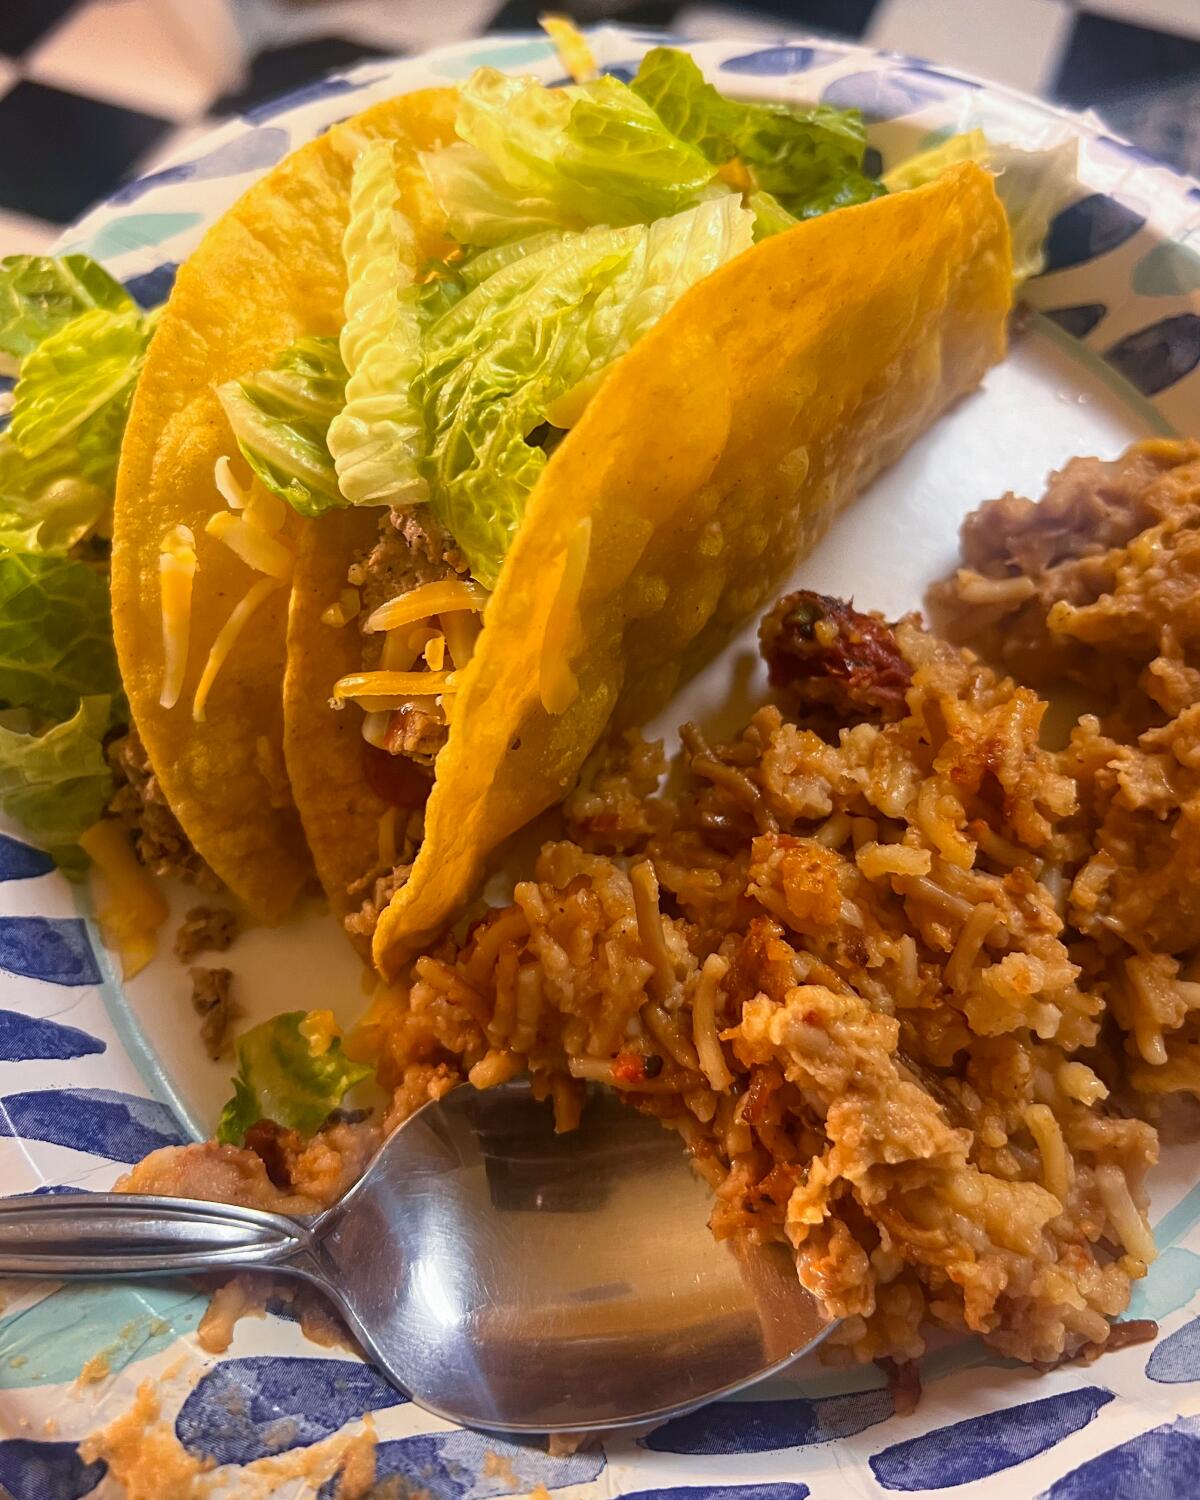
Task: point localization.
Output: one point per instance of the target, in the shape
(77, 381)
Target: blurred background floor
(94, 91)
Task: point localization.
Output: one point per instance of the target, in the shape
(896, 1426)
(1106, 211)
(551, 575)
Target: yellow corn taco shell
(267, 272)
(709, 462)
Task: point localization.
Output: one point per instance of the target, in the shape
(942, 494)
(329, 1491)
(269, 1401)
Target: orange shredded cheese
(461, 631)
(358, 685)
(226, 637)
(133, 907)
(343, 610)
(257, 548)
(427, 599)
(572, 48)
(176, 575)
(435, 652)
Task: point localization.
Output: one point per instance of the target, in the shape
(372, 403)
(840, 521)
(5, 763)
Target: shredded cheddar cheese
(265, 511)
(176, 575)
(558, 686)
(571, 46)
(427, 599)
(133, 907)
(226, 637)
(257, 548)
(343, 610)
(358, 685)
(319, 1030)
(435, 652)
(227, 486)
(461, 631)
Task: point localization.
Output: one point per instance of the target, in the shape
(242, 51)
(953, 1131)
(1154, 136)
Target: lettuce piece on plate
(528, 344)
(280, 418)
(46, 505)
(808, 157)
(76, 387)
(377, 439)
(1034, 186)
(57, 783)
(55, 634)
(39, 294)
(292, 1070)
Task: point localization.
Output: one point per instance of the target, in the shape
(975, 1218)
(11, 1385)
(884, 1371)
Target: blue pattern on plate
(1162, 1464)
(783, 1491)
(1153, 358)
(20, 861)
(1168, 270)
(465, 1465)
(106, 1122)
(248, 1408)
(309, 93)
(153, 287)
(968, 1451)
(252, 151)
(778, 62)
(1078, 321)
(884, 96)
(134, 232)
(495, 54)
(1171, 1283)
(764, 1426)
(47, 1471)
(1177, 1358)
(1091, 227)
(52, 948)
(24, 1037)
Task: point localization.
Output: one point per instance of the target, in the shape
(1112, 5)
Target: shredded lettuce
(46, 505)
(540, 330)
(55, 634)
(1034, 186)
(809, 158)
(377, 439)
(76, 387)
(290, 1070)
(57, 783)
(591, 153)
(39, 294)
(280, 418)
(481, 207)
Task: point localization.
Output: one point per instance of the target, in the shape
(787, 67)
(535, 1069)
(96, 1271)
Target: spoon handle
(108, 1235)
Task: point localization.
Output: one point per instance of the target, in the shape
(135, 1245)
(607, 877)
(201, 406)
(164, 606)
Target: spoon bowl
(504, 1276)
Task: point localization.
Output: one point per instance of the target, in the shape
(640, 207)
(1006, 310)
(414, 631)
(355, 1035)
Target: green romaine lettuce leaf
(45, 503)
(78, 383)
(591, 153)
(809, 158)
(58, 783)
(280, 418)
(55, 634)
(280, 1077)
(540, 330)
(39, 294)
(481, 208)
(377, 439)
(1034, 186)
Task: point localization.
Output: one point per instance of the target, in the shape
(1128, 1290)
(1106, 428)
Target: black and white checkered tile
(92, 91)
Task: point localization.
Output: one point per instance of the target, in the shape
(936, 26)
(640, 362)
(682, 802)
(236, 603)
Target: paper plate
(93, 1076)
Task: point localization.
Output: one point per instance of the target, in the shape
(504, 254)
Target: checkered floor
(92, 91)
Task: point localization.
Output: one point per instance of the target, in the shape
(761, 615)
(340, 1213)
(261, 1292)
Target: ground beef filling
(205, 929)
(213, 1002)
(139, 803)
(413, 549)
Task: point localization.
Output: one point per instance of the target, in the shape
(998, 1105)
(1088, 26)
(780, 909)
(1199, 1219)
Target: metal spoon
(505, 1277)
